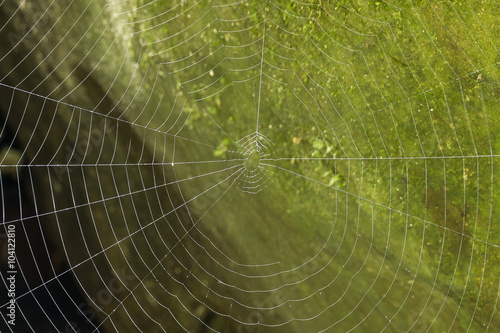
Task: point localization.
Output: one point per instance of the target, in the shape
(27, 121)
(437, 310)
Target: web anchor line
(261, 69)
(93, 112)
(146, 189)
(384, 206)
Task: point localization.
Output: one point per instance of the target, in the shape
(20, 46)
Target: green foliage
(366, 99)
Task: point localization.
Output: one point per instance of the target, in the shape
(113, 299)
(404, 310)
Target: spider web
(248, 166)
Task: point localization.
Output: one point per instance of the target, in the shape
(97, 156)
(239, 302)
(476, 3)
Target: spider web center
(257, 151)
